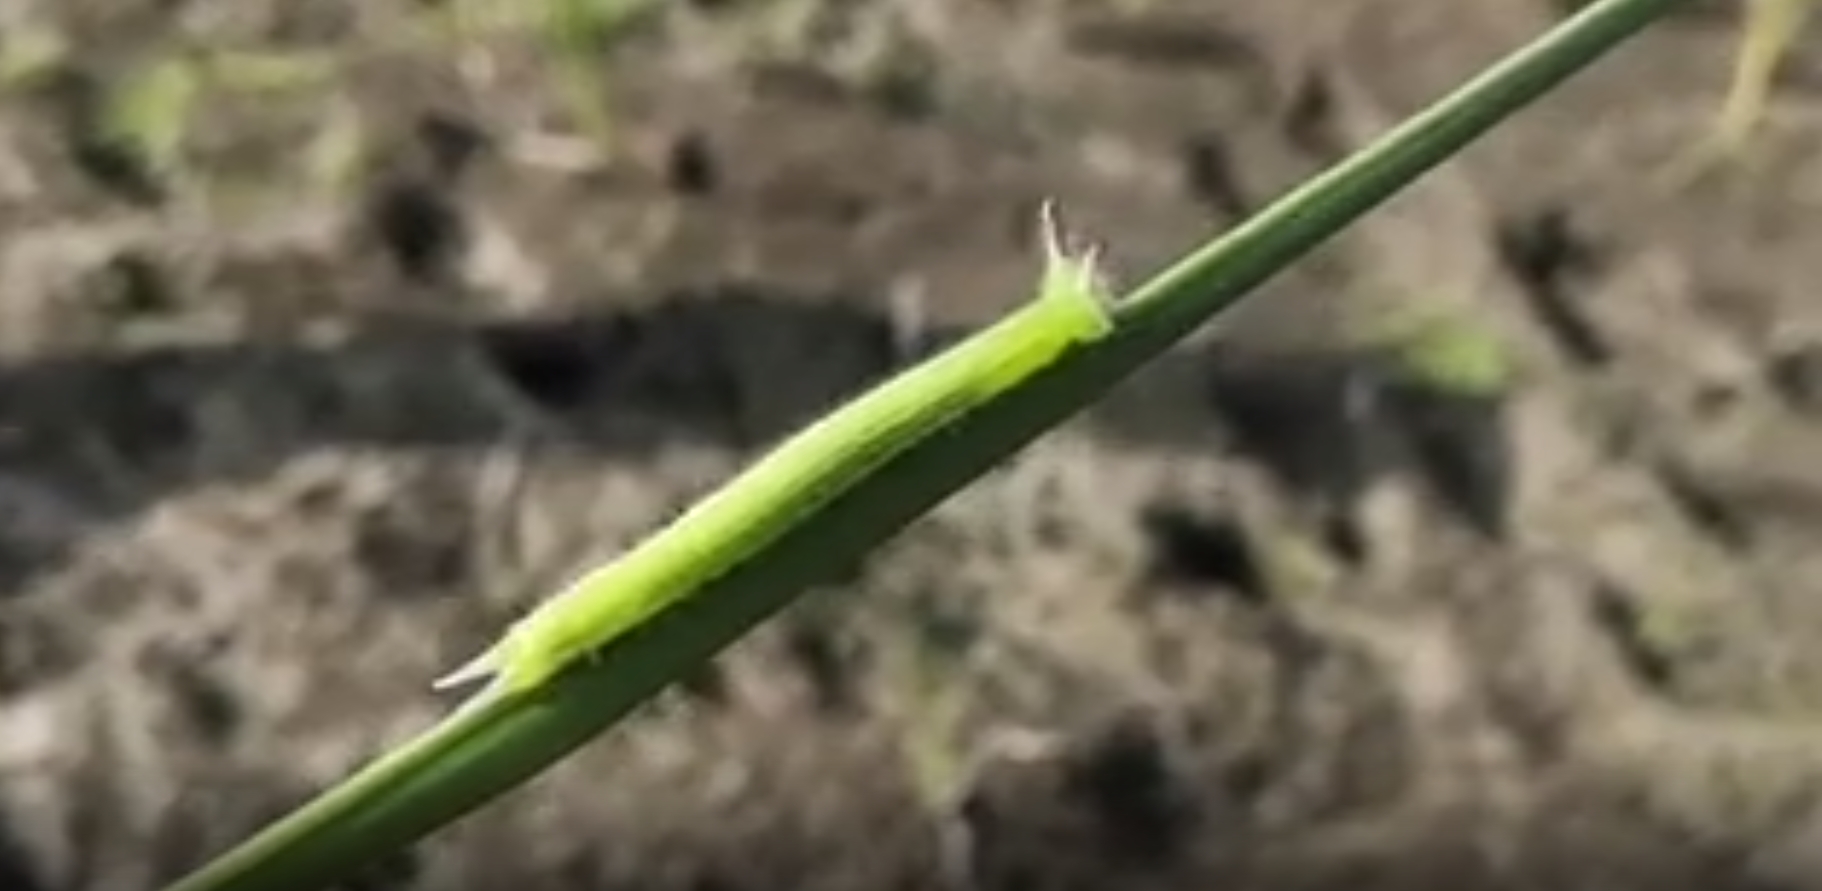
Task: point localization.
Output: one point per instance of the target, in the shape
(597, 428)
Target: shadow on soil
(739, 368)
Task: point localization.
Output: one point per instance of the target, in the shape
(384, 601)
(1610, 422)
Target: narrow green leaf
(148, 113)
(475, 756)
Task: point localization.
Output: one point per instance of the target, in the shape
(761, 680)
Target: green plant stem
(474, 756)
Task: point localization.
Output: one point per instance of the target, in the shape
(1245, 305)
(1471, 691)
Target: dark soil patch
(282, 436)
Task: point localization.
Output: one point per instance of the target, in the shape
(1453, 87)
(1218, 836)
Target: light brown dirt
(1268, 619)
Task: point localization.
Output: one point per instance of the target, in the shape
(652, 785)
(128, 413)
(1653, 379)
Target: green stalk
(475, 756)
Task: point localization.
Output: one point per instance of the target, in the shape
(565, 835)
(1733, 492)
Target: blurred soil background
(1479, 552)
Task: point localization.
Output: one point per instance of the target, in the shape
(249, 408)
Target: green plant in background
(497, 743)
(335, 155)
(147, 114)
(1291, 563)
(926, 665)
(269, 70)
(575, 35)
(1767, 34)
(927, 668)
(578, 33)
(1447, 353)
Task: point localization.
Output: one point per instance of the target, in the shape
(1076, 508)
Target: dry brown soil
(278, 447)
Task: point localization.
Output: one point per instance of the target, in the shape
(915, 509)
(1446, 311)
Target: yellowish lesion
(1768, 30)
